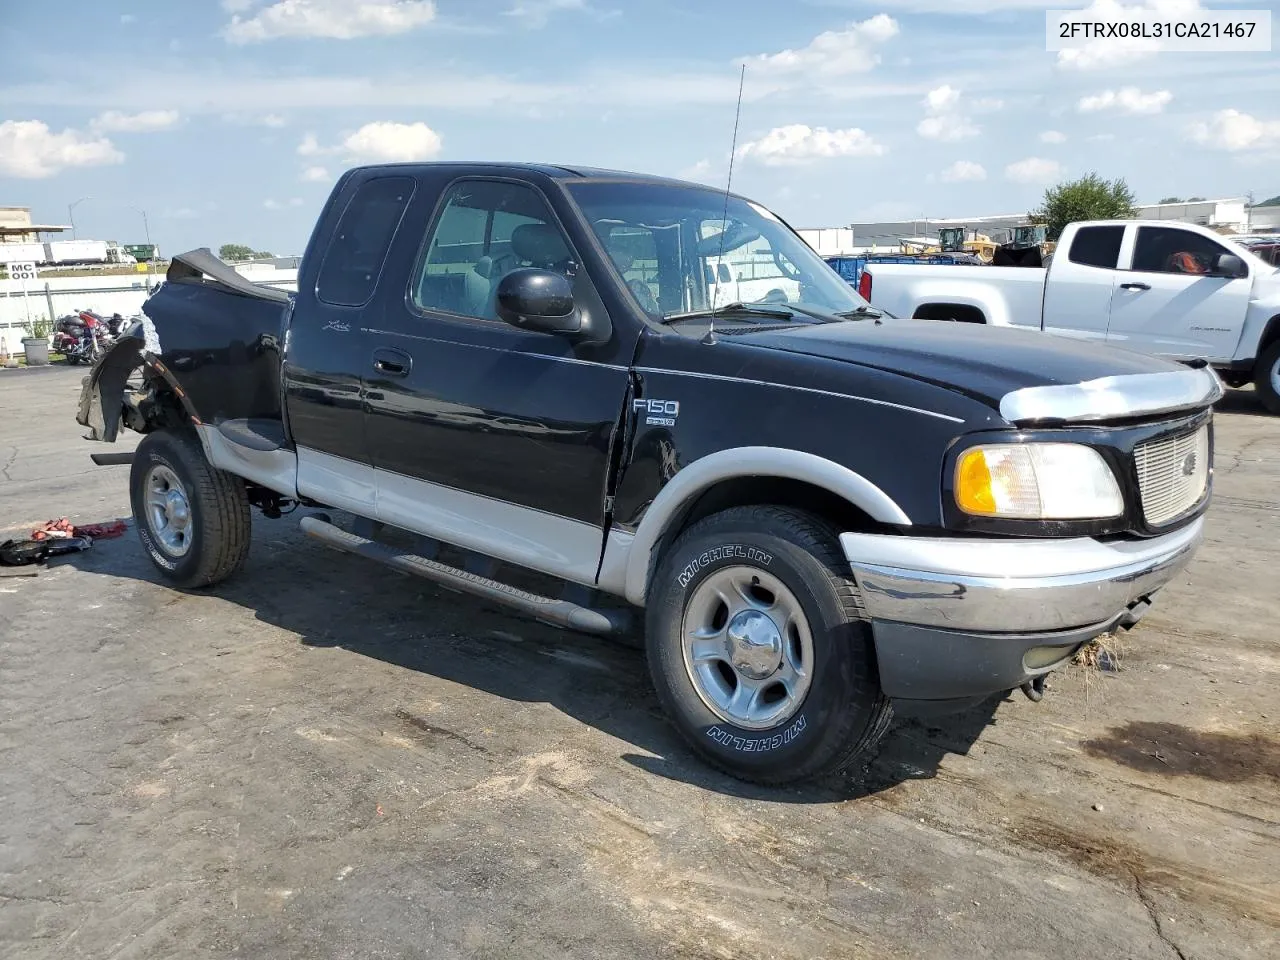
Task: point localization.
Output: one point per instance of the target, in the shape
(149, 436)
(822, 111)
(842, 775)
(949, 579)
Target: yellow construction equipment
(953, 240)
(1030, 247)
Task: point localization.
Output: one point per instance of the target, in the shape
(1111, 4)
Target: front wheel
(193, 519)
(1267, 377)
(759, 647)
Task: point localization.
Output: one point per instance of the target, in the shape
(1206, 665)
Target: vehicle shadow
(1243, 401)
(329, 599)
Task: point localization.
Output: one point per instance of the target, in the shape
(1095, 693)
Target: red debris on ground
(101, 531)
(62, 527)
(53, 529)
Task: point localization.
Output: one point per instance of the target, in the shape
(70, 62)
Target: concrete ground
(324, 759)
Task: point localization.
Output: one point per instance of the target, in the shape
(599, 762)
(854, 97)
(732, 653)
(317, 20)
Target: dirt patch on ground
(1115, 859)
(1173, 750)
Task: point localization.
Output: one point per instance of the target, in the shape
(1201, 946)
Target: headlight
(1037, 481)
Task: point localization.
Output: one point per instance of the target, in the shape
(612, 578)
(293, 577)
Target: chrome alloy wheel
(168, 511)
(1274, 374)
(747, 647)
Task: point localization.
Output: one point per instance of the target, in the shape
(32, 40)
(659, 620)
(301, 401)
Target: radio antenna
(724, 218)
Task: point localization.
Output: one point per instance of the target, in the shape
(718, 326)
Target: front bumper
(965, 617)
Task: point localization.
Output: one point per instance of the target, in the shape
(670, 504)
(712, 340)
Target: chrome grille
(1173, 473)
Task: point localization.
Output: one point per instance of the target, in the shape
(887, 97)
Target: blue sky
(228, 121)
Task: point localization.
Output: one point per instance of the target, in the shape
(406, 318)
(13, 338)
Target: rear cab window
(353, 261)
(1097, 247)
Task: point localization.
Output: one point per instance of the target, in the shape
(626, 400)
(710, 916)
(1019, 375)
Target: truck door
(327, 342)
(481, 434)
(1169, 302)
(1078, 286)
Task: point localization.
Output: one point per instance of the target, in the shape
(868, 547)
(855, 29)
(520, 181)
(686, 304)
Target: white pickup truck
(1171, 289)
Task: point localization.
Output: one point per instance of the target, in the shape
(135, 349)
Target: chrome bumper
(1012, 586)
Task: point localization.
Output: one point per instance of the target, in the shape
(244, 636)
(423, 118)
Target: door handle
(1135, 286)
(395, 363)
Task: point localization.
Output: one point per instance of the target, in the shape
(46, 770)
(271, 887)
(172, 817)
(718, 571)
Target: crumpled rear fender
(102, 392)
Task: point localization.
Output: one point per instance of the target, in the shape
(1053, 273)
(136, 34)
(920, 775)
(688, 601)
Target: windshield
(678, 253)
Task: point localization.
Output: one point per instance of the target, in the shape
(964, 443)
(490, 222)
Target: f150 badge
(658, 413)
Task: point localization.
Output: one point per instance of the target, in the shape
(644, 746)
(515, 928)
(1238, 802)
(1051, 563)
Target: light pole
(71, 214)
(146, 228)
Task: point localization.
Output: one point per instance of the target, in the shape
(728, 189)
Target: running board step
(560, 613)
(111, 459)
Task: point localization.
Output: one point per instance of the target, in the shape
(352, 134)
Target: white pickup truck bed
(1000, 296)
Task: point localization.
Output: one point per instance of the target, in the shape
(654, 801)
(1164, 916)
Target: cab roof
(563, 172)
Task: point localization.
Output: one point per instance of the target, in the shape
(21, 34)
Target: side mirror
(1229, 265)
(538, 300)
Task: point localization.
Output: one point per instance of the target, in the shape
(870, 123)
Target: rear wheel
(1267, 377)
(759, 647)
(193, 519)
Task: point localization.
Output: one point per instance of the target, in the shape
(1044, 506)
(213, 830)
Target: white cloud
(237, 6)
(273, 120)
(1233, 131)
(988, 104)
(836, 52)
(280, 205)
(945, 120)
(963, 171)
(1127, 100)
(127, 18)
(1053, 136)
(384, 142)
(536, 13)
(942, 99)
(310, 146)
(113, 121)
(798, 143)
(975, 7)
(948, 129)
(315, 175)
(31, 151)
(696, 171)
(1033, 170)
(331, 19)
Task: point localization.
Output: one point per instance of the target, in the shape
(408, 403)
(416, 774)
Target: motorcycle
(82, 337)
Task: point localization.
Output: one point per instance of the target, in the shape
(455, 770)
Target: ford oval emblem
(1189, 465)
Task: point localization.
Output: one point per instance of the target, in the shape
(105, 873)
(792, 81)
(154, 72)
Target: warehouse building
(1233, 215)
(16, 226)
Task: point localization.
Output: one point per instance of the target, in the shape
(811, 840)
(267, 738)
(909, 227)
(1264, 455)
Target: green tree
(1195, 200)
(262, 254)
(1172, 200)
(1273, 202)
(234, 251)
(1089, 198)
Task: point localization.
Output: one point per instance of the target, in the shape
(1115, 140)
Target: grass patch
(1097, 658)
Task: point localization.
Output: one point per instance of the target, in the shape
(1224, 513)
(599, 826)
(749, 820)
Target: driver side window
(1169, 250)
(485, 230)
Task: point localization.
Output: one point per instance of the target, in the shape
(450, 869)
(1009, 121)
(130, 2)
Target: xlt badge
(658, 413)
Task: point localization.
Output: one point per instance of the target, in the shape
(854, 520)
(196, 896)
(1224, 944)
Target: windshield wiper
(778, 312)
(862, 313)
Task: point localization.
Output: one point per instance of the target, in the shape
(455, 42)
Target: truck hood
(986, 363)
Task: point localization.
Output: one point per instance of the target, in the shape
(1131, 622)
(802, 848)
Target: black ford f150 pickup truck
(661, 398)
